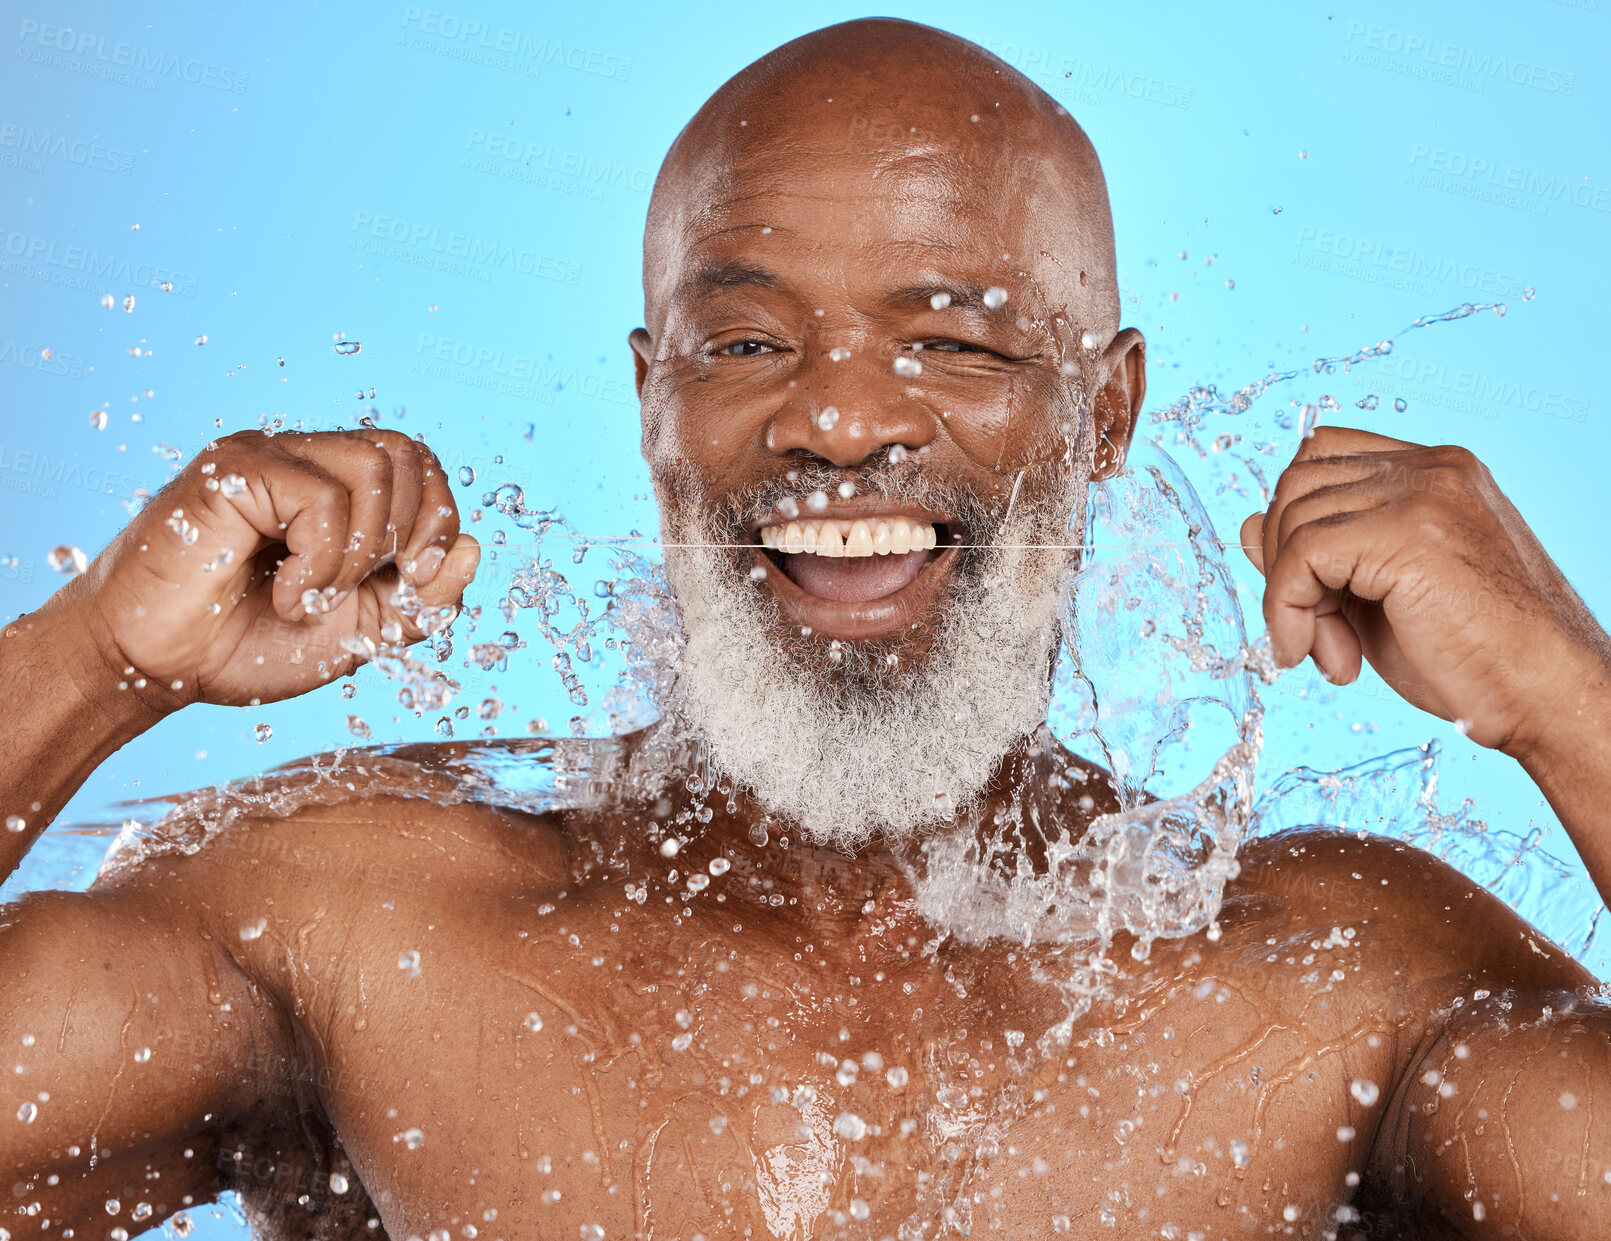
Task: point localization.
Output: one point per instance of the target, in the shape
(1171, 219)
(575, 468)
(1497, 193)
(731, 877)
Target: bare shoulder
(321, 835)
(1419, 921)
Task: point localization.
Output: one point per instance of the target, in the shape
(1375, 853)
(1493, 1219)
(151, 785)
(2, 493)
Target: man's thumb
(457, 572)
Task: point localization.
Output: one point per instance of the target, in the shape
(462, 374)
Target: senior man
(882, 362)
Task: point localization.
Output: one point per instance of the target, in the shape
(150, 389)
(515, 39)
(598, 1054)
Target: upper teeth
(879, 536)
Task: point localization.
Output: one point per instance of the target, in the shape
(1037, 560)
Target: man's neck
(1039, 790)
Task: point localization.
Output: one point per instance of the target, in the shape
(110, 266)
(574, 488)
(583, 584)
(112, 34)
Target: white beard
(857, 748)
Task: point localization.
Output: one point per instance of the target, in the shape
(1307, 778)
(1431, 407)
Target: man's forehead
(917, 228)
(924, 151)
(903, 278)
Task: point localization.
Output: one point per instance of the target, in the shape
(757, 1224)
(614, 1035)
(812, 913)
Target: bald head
(951, 127)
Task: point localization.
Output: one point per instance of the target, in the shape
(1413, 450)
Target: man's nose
(846, 411)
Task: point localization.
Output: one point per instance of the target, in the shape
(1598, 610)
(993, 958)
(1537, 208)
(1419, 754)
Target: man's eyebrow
(961, 295)
(732, 274)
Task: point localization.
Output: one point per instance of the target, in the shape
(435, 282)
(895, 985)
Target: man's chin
(856, 741)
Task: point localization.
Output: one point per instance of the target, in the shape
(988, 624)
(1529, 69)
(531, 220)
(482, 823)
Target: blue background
(249, 156)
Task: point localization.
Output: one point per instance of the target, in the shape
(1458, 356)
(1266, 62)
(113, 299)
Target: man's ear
(642, 354)
(1118, 404)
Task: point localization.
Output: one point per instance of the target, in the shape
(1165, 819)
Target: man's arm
(1412, 558)
(265, 569)
(1502, 1127)
(268, 567)
(136, 1050)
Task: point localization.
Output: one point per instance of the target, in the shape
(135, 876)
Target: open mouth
(856, 575)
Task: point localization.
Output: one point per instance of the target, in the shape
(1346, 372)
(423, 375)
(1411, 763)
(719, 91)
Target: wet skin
(1212, 1103)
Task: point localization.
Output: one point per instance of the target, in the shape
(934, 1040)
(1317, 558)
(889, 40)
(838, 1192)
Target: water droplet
(113, 1206)
(263, 732)
(1400, 404)
(995, 297)
(682, 1042)
(338, 1183)
(533, 1022)
(839, 353)
(828, 419)
(719, 866)
(850, 1126)
(1088, 340)
(254, 929)
(128, 304)
(67, 560)
(1368, 402)
(1239, 1153)
(896, 1077)
(592, 1232)
(108, 301)
(97, 419)
(466, 476)
(27, 1112)
(940, 301)
(897, 453)
(15, 823)
(357, 727)
(411, 1138)
(846, 1076)
(1345, 1133)
(1529, 293)
(202, 339)
(911, 368)
(181, 1224)
(142, 1055)
(817, 501)
(409, 962)
(346, 348)
(1365, 1090)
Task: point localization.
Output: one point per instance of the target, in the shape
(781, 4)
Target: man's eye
(744, 349)
(951, 346)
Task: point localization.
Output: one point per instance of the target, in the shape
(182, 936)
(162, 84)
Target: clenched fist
(1412, 558)
(250, 575)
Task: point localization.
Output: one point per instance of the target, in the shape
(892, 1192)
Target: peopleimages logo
(425, 245)
(501, 47)
(1364, 258)
(1087, 80)
(494, 365)
(1430, 54)
(1475, 392)
(1507, 184)
(79, 268)
(39, 358)
(32, 147)
(93, 55)
(536, 158)
(40, 474)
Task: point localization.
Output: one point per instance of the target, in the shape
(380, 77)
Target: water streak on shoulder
(533, 776)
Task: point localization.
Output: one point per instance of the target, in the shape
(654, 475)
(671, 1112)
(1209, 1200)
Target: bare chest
(588, 1082)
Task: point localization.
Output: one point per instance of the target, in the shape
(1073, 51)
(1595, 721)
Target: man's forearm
(1571, 764)
(61, 715)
